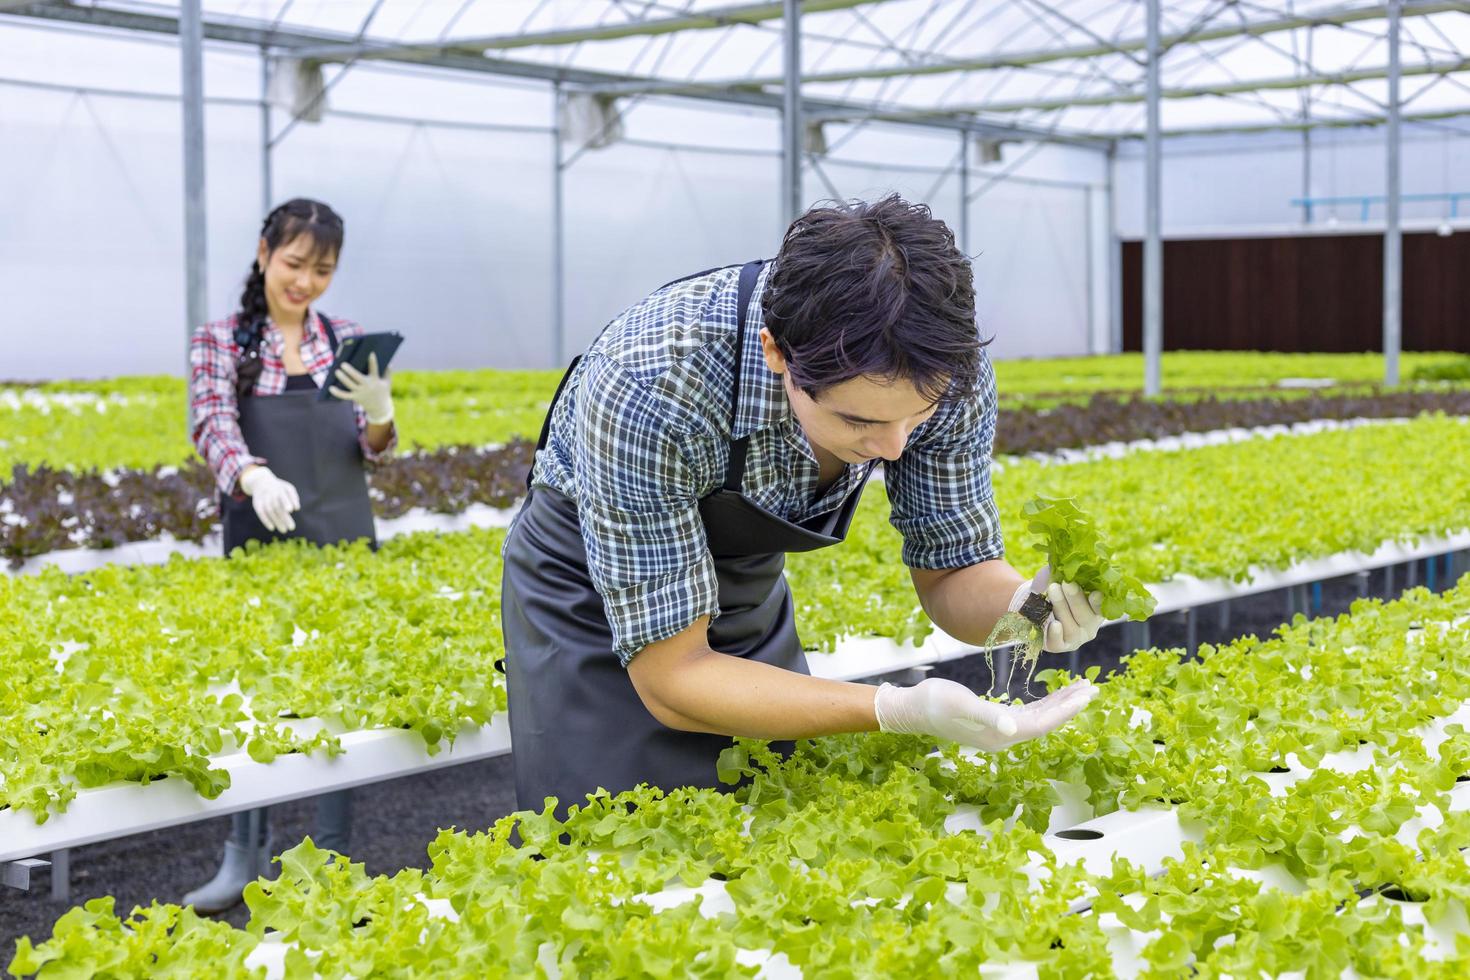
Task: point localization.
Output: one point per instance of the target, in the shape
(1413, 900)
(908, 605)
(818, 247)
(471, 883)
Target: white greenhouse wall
(1249, 181)
(449, 235)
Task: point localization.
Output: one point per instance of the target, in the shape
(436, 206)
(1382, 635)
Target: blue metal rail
(1365, 202)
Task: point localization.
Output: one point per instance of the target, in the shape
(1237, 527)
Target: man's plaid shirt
(214, 359)
(642, 431)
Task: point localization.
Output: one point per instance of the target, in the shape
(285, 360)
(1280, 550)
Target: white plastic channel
(159, 550)
(123, 808)
(859, 657)
(1196, 440)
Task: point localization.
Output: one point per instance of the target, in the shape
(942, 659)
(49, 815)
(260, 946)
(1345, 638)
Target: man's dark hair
(877, 289)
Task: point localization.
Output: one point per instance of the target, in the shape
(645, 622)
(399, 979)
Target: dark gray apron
(312, 445)
(576, 721)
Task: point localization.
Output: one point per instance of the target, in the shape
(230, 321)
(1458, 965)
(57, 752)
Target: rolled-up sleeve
(215, 406)
(320, 362)
(639, 509)
(368, 453)
(940, 493)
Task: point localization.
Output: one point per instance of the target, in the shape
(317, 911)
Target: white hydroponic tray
(374, 756)
(123, 808)
(158, 551)
(857, 658)
(1146, 837)
(1196, 440)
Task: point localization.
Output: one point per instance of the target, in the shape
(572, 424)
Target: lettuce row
(837, 860)
(138, 673)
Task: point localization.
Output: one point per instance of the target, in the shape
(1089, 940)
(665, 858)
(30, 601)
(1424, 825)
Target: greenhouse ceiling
(1070, 70)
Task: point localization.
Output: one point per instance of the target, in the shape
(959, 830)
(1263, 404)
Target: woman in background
(287, 465)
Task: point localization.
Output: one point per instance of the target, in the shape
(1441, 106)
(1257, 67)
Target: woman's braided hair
(298, 216)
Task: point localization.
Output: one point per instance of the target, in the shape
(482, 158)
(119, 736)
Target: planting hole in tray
(1463, 778)
(1079, 833)
(1396, 894)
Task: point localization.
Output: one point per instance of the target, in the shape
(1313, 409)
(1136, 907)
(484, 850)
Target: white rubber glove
(371, 391)
(952, 711)
(273, 498)
(1075, 618)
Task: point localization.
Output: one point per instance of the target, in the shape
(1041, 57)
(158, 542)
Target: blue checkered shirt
(642, 431)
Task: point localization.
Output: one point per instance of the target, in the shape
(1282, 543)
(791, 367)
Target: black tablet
(356, 351)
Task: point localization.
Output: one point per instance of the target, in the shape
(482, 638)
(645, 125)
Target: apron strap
(331, 334)
(735, 468)
(542, 439)
(248, 338)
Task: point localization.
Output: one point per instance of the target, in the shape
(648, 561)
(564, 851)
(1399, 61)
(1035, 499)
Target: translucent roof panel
(1064, 68)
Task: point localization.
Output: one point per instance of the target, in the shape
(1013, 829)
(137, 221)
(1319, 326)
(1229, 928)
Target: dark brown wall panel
(1308, 293)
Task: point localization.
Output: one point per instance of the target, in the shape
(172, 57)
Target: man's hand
(273, 498)
(952, 711)
(1075, 617)
(372, 390)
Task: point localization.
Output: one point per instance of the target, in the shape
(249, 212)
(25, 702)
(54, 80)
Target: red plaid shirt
(214, 357)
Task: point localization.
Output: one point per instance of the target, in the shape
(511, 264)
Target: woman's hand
(370, 390)
(273, 498)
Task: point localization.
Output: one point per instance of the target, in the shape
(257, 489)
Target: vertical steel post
(792, 136)
(61, 875)
(558, 241)
(1392, 235)
(1153, 246)
(1115, 256)
(1093, 347)
(196, 269)
(1306, 170)
(964, 192)
(267, 191)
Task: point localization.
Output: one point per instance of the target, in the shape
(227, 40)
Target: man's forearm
(724, 695)
(967, 602)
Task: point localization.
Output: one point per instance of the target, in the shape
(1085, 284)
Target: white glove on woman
(1075, 617)
(273, 498)
(370, 390)
(952, 711)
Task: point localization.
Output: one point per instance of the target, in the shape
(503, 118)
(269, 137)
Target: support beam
(714, 17)
(291, 42)
(1187, 91)
(1153, 246)
(1334, 17)
(1295, 127)
(191, 57)
(793, 136)
(1392, 235)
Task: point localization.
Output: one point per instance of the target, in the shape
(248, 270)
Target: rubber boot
(241, 865)
(334, 821)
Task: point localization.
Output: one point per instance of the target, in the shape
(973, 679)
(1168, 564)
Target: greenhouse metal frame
(1100, 61)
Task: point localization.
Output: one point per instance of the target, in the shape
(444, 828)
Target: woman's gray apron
(313, 445)
(576, 721)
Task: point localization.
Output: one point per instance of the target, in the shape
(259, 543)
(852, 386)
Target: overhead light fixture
(298, 87)
(990, 150)
(1445, 229)
(590, 119)
(816, 139)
